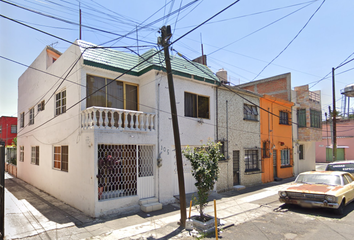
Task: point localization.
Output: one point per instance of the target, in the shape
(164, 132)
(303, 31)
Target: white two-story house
(95, 128)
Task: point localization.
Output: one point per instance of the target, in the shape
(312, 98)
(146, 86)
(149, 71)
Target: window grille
(251, 160)
(266, 149)
(301, 152)
(286, 157)
(119, 167)
(250, 112)
(284, 118)
(301, 117)
(315, 118)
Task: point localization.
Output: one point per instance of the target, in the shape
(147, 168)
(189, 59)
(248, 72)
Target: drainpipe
(217, 114)
(159, 160)
(227, 129)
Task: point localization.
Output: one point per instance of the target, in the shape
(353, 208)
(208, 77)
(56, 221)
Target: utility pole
(164, 41)
(334, 149)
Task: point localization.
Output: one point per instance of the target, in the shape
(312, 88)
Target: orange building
(276, 138)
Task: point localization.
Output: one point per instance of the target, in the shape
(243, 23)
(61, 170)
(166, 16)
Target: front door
(236, 167)
(275, 163)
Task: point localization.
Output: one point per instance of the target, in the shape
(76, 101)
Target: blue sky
(243, 39)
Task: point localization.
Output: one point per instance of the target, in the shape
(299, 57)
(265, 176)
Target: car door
(349, 184)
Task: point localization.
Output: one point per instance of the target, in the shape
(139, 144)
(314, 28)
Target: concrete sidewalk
(33, 214)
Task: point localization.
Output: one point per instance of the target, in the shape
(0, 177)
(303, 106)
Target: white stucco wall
(78, 186)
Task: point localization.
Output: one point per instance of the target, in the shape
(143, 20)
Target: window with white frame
(22, 153)
(13, 128)
(251, 160)
(250, 112)
(196, 106)
(31, 116)
(285, 157)
(35, 155)
(60, 103)
(22, 120)
(61, 158)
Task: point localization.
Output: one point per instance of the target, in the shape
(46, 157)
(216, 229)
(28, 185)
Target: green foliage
(205, 170)
(14, 142)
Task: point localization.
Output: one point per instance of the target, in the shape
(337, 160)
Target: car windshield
(345, 167)
(327, 179)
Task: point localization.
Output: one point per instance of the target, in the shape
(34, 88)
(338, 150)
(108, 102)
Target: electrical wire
(291, 40)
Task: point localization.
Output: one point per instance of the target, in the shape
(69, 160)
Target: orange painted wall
(279, 136)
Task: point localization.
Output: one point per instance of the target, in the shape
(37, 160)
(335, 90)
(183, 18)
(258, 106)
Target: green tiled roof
(114, 60)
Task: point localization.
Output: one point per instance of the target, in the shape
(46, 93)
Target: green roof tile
(121, 62)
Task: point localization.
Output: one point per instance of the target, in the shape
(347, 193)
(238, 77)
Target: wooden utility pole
(164, 41)
(334, 147)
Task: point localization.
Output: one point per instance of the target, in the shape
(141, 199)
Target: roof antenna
(80, 20)
(53, 44)
(201, 42)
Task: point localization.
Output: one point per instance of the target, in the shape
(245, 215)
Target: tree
(14, 142)
(205, 170)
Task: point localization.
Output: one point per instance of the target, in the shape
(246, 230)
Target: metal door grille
(118, 169)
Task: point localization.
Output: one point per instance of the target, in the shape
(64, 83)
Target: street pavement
(33, 214)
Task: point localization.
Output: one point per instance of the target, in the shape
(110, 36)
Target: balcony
(120, 119)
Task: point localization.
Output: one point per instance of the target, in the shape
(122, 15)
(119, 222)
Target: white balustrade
(112, 118)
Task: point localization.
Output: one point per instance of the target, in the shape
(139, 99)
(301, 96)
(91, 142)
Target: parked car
(320, 189)
(345, 166)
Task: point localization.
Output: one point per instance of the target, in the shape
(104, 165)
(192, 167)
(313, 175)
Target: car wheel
(340, 210)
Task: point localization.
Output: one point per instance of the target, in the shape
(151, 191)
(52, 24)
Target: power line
(259, 29)
(291, 40)
(66, 21)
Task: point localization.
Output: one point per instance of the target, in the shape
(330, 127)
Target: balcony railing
(315, 97)
(113, 118)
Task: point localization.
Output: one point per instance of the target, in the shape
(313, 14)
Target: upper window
(22, 120)
(285, 157)
(301, 117)
(315, 118)
(301, 152)
(103, 92)
(61, 158)
(60, 103)
(40, 106)
(250, 112)
(283, 117)
(196, 106)
(13, 128)
(251, 160)
(31, 116)
(22, 153)
(35, 155)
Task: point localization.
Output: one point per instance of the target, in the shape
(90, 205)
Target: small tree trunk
(201, 211)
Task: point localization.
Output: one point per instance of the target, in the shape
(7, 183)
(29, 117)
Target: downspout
(217, 114)
(159, 160)
(227, 129)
